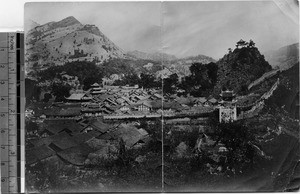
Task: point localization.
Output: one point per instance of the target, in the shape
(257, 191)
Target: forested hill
(238, 68)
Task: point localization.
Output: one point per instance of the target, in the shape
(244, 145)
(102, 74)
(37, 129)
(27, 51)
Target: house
(158, 96)
(93, 112)
(213, 101)
(144, 106)
(227, 95)
(97, 125)
(227, 108)
(95, 85)
(128, 133)
(75, 155)
(124, 108)
(63, 113)
(48, 140)
(79, 97)
(53, 127)
(127, 101)
(38, 154)
(63, 143)
(201, 101)
(84, 137)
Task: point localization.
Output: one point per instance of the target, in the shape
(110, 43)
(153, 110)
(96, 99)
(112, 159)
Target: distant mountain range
(67, 40)
(56, 43)
(284, 57)
(156, 56)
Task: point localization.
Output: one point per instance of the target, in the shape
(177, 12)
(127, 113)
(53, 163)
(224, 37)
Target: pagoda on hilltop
(227, 108)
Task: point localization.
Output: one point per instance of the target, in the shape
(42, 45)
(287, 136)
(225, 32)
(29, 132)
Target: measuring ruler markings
(12, 133)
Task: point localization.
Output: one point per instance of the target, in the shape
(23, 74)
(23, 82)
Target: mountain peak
(68, 21)
(30, 24)
(92, 29)
(68, 40)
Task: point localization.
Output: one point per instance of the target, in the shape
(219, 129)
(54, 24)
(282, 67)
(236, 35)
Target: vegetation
(240, 141)
(239, 68)
(202, 79)
(170, 84)
(61, 91)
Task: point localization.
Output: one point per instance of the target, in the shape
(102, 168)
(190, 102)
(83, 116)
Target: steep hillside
(284, 57)
(65, 41)
(237, 69)
(287, 94)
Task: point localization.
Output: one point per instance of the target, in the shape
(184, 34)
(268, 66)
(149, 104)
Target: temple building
(227, 108)
(96, 89)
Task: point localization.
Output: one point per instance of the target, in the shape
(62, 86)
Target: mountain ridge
(284, 57)
(154, 56)
(56, 43)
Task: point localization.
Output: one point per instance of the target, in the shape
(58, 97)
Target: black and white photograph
(199, 96)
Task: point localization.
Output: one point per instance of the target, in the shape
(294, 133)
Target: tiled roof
(95, 85)
(75, 111)
(227, 93)
(38, 153)
(76, 155)
(64, 143)
(202, 99)
(213, 100)
(48, 140)
(57, 126)
(129, 133)
(83, 137)
(98, 125)
(76, 96)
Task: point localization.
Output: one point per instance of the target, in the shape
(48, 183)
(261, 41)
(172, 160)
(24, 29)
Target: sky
(181, 28)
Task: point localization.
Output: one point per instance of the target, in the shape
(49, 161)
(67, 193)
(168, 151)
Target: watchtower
(227, 107)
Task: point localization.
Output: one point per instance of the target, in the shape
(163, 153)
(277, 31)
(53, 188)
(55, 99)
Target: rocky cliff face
(237, 69)
(55, 43)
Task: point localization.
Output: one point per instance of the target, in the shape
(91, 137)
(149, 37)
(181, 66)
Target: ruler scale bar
(11, 101)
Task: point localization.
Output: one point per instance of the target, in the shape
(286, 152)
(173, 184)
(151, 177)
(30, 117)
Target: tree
(251, 43)
(31, 126)
(88, 81)
(47, 97)
(148, 81)
(61, 91)
(170, 83)
(240, 141)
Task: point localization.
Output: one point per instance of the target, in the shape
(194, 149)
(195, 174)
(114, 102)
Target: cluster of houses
(74, 131)
(127, 100)
(74, 140)
(121, 102)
